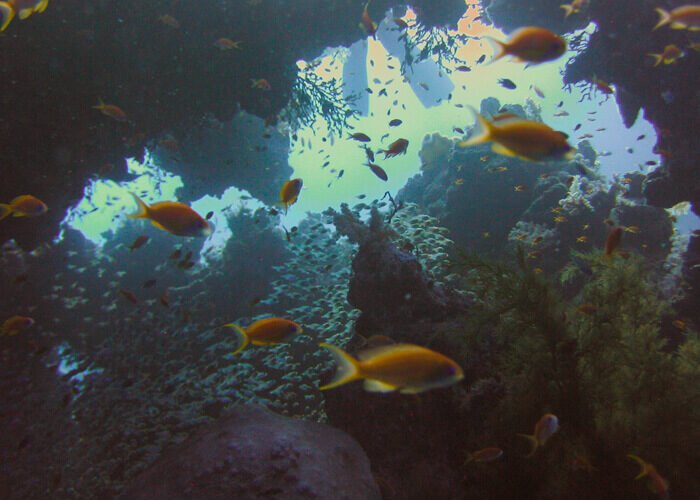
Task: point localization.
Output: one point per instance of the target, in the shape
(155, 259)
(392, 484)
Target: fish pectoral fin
(372, 385)
(500, 149)
(158, 225)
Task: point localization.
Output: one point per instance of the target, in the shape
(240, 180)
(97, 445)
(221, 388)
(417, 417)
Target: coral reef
(388, 283)
(98, 393)
(216, 155)
(252, 453)
(165, 73)
(557, 207)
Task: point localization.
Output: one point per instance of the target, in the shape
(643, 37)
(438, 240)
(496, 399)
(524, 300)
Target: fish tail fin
(534, 443)
(348, 368)
(242, 335)
(100, 104)
(143, 209)
(643, 466)
(481, 135)
(568, 10)
(5, 210)
(658, 58)
(664, 18)
(500, 48)
(8, 13)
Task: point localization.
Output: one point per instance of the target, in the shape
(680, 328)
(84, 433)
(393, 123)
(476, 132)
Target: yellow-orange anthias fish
(657, 483)
(531, 44)
(15, 324)
(545, 428)
(290, 193)
(227, 44)
(23, 206)
(24, 8)
(574, 7)
(520, 138)
(369, 26)
(406, 368)
(670, 55)
(266, 331)
(686, 17)
(398, 147)
(111, 110)
(485, 455)
(173, 217)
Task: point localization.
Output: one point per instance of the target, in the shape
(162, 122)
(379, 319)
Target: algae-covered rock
(253, 453)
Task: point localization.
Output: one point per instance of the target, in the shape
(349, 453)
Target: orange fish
(23, 206)
(574, 7)
(111, 110)
(369, 26)
(679, 323)
(169, 20)
(485, 455)
(520, 138)
(680, 18)
(407, 368)
(129, 295)
(173, 217)
(268, 331)
(165, 299)
(15, 324)
(139, 242)
(398, 147)
(602, 86)
(261, 84)
(613, 240)
(545, 428)
(586, 308)
(227, 44)
(378, 171)
(657, 483)
(670, 55)
(531, 44)
(290, 193)
(24, 8)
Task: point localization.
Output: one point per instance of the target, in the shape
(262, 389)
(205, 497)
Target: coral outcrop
(253, 453)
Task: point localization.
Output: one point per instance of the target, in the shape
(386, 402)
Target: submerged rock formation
(388, 283)
(253, 453)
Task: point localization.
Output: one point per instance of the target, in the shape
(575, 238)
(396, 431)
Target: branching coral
(423, 43)
(602, 365)
(314, 96)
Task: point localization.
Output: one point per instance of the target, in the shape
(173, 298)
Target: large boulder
(253, 453)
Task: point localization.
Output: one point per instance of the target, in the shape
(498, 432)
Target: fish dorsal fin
(385, 349)
(563, 134)
(372, 385)
(501, 117)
